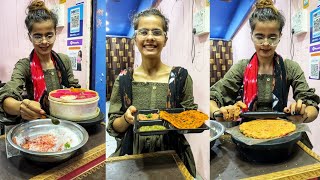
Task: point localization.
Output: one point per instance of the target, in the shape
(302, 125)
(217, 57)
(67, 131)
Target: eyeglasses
(154, 32)
(38, 38)
(259, 40)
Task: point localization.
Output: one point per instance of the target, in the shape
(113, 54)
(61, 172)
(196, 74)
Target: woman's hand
(30, 110)
(232, 112)
(128, 115)
(122, 123)
(301, 113)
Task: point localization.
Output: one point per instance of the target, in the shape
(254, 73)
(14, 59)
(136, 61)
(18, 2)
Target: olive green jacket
(20, 85)
(226, 90)
(149, 95)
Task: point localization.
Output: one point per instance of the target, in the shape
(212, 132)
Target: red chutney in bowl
(75, 104)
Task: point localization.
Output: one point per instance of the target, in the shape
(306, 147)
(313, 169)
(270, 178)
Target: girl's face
(150, 37)
(43, 36)
(266, 37)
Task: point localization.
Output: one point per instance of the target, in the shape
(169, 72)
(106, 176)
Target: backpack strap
(178, 142)
(177, 79)
(125, 88)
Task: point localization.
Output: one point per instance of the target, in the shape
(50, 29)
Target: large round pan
(273, 151)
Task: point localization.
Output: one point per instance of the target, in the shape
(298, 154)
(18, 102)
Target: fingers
(293, 108)
(132, 109)
(303, 109)
(286, 110)
(298, 106)
(129, 114)
(298, 112)
(26, 116)
(26, 111)
(36, 107)
(241, 104)
(232, 112)
(224, 111)
(30, 109)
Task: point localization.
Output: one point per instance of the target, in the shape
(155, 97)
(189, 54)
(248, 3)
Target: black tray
(187, 131)
(260, 115)
(93, 121)
(139, 123)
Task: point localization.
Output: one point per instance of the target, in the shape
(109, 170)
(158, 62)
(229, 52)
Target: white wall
(15, 44)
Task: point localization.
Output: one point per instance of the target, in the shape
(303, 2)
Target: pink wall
(14, 42)
(178, 53)
(301, 52)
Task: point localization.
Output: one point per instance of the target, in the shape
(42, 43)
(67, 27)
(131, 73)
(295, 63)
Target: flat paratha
(190, 119)
(267, 128)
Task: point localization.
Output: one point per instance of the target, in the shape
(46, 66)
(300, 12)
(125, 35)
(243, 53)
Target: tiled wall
(120, 55)
(221, 59)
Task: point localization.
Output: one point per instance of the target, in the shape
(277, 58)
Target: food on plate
(151, 116)
(152, 128)
(189, 119)
(52, 141)
(267, 129)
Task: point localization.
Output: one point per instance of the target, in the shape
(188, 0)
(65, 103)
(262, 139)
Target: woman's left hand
(298, 111)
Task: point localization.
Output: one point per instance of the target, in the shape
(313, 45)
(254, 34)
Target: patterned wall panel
(120, 55)
(221, 59)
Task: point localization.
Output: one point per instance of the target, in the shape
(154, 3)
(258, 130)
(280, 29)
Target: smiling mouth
(44, 48)
(150, 47)
(266, 50)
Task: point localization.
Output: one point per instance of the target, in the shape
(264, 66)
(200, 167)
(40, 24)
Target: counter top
(225, 163)
(158, 165)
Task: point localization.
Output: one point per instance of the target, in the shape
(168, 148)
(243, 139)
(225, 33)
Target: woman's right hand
(30, 110)
(128, 115)
(232, 112)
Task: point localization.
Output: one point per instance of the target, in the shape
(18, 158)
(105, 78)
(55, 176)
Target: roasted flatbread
(267, 129)
(190, 119)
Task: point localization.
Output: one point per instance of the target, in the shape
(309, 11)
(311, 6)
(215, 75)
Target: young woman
(151, 85)
(266, 77)
(43, 71)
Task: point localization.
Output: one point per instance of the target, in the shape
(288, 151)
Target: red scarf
(250, 87)
(37, 76)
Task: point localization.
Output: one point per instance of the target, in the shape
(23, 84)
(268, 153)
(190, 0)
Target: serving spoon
(54, 120)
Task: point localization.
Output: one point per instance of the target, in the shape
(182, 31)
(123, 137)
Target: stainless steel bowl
(42, 126)
(216, 130)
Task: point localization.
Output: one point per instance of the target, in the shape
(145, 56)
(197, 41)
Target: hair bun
(266, 4)
(36, 5)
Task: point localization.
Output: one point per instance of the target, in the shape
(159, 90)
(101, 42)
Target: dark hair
(265, 11)
(80, 53)
(38, 12)
(150, 12)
